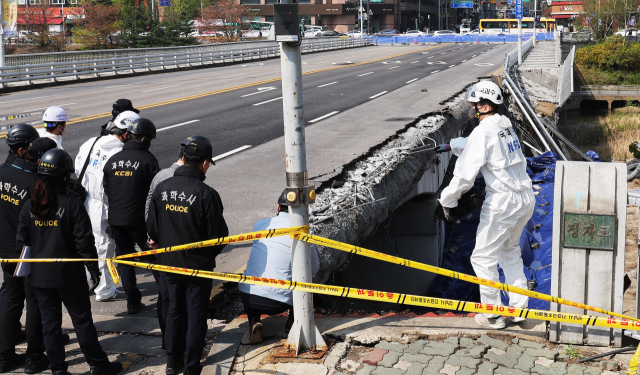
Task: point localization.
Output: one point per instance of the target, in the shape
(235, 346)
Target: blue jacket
(271, 258)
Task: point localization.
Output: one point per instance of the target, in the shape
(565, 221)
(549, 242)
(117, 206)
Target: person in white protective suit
(55, 122)
(494, 150)
(96, 203)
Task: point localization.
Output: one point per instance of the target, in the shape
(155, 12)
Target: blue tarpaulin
(535, 242)
(454, 38)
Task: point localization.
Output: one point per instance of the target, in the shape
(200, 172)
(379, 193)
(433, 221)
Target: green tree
(100, 27)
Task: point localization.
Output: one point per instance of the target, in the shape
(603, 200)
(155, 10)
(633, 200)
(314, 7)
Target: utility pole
(361, 18)
(368, 19)
(519, 17)
(304, 334)
(2, 35)
(418, 27)
(535, 20)
(439, 16)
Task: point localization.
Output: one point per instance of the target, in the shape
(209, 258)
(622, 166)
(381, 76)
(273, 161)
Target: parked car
(415, 33)
(443, 32)
(389, 31)
(355, 34)
(473, 32)
(329, 33)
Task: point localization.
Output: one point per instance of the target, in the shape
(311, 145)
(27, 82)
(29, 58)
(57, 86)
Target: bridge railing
(610, 90)
(93, 64)
(565, 83)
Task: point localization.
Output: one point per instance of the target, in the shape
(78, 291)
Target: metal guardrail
(610, 90)
(94, 63)
(565, 83)
(512, 56)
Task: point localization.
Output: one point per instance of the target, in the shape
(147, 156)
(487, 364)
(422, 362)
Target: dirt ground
(631, 253)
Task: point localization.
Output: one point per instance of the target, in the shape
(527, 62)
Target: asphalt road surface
(244, 109)
(354, 99)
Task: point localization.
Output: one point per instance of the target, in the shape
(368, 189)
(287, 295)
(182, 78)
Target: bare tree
(100, 25)
(39, 16)
(225, 18)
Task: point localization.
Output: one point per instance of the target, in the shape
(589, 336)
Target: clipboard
(24, 268)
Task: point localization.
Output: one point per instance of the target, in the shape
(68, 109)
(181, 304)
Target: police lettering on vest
(177, 208)
(46, 223)
(11, 194)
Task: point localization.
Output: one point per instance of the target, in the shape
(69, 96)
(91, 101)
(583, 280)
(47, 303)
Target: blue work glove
(443, 148)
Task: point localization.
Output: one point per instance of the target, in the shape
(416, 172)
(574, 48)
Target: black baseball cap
(40, 146)
(198, 145)
(122, 105)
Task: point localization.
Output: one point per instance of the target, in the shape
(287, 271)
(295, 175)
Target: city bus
(257, 29)
(510, 26)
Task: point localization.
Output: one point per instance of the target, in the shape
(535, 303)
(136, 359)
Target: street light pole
(361, 19)
(304, 334)
(535, 15)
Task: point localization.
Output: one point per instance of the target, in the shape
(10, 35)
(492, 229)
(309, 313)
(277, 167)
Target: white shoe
(517, 319)
(495, 323)
(119, 296)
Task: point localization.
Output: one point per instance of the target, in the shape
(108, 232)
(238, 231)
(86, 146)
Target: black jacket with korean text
(127, 177)
(17, 181)
(65, 233)
(183, 210)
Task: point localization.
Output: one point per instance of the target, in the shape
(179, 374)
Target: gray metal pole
(303, 335)
(2, 34)
(519, 42)
(535, 10)
(439, 16)
(361, 18)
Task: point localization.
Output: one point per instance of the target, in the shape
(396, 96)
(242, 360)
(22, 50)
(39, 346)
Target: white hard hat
(125, 118)
(484, 90)
(54, 114)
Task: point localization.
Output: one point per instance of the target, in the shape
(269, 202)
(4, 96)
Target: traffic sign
(461, 3)
(519, 9)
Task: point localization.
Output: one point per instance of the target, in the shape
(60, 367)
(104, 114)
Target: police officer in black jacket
(127, 177)
(18, 139)
(55, 225)
(16, 187)
(184, 209)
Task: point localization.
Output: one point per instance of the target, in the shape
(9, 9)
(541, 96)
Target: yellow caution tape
(406, 299)
(445, 272)
(633, 364)
(251, 236)
(48, 260)
(113, 271)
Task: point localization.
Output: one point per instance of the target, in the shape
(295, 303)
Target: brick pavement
(467, 356)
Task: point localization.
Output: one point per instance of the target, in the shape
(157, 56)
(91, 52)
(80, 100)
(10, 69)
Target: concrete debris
(349, 206)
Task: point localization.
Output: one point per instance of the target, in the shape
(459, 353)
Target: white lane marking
(222, 156)
(436, 62)
(35, 109)
(360, 75)
(393, 67)
(435, 71)
(160, 88)
(424, 53)
(413, 62)
(413, 80)
(483, 64)
(464, 61)
(128, 84)
(323, 117)
(451, 66)
(327, 84)
(236, 75)
(20, 100)
(376, 95)
(260, 91)
(443, 53)
(268, 101)
(430, 57)
(176, 125)
(474, 55)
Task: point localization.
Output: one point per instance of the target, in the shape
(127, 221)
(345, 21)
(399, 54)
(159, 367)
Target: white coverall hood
(96, 203)
(56, 138)
(494, 150)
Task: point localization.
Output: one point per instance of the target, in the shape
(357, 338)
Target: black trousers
(76, 300)
(255, 306)
(162, 305)
(187, 319)
(126, 237)
(17, 290)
